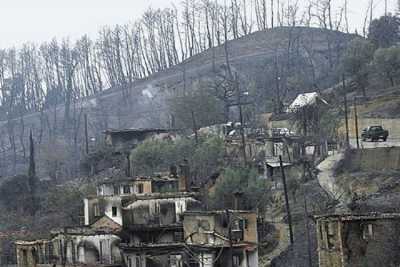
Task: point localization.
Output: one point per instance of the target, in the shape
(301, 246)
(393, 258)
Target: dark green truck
(374, 133)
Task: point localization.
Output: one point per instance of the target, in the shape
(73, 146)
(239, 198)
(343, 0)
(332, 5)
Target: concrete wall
(105, 205)
(373, 159)
(157, 211)
(88, 249)
(160, 236)
(109, 189)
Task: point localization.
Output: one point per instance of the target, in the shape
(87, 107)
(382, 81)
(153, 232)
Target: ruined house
(299, 124)
(127, 139)
(139, 222)
(222, 238)
(34, 253)
(306, 99)
(155, 227)
(367, 240)
(113, 194)
(97, 244)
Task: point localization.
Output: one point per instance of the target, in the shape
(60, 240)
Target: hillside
(304, 59)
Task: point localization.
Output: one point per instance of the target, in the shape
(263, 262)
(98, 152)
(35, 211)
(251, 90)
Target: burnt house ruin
(126, 139)
(358, 240)
(146, 222)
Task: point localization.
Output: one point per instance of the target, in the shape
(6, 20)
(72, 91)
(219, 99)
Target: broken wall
(371, 243)
(201, 229)
(329, 243)
(157, 212)
(358, 243)
(86, 248)
(32, 254)
(95, 208)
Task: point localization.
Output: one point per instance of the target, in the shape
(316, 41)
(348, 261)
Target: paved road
(326, 177)
(328, 182)
(368, 144)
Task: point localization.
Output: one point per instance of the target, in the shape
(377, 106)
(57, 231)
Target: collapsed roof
(303, 100)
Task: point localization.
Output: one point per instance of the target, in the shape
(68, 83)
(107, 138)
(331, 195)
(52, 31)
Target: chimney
(184, 179)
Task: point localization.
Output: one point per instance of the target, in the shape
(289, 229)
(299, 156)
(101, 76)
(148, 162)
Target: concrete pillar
(244, 262)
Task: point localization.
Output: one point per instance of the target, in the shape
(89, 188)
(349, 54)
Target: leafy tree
(15, 194)
(244, 180)
(356, 61)
(152, 156)
(66, 201)
(208, 156)
(158, 155)
(387, 63)
(385, 31)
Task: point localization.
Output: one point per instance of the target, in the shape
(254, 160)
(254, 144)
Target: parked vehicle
(374, 133)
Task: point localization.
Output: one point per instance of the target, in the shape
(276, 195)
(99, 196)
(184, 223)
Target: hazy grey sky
(41, 20)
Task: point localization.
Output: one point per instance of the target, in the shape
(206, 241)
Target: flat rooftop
(138, 131)
(138, 179)
(218, 212)
(358, 217)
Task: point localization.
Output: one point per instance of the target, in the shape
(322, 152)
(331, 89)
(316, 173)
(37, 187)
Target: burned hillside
(260, 58)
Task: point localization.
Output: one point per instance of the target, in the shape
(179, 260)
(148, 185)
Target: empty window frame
(367, 231)
(140, 188)
(138, 261)
(114, 211)
(330, 234)
(116, 190)
(127, 189)
(96, 210)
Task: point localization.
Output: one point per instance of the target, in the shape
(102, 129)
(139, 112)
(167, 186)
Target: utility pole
(287, 201)
(195, 128)
(356, 122)
(230, 237)
(308, 231)
(241, 119)
(277, 87)
(345, 114)
(386, 8)
(272, 14)
(237, 196)
(371, 14)
(32, 174)
(86, 135)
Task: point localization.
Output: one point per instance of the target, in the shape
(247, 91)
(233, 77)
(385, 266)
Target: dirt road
(390, 142)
